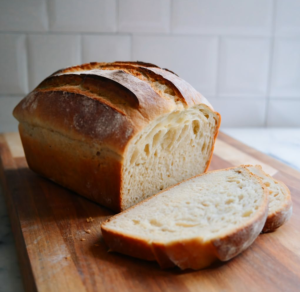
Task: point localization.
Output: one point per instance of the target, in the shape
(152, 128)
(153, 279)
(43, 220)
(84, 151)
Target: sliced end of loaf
(171, 149)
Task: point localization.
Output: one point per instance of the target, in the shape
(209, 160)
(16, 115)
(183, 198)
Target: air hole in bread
(203, 147)
(229, 201)
(146, 149)
(196, 127)
(233, 180)
(154, 222)
(167, 230)
(183, 224)
(134, 157)
(247, 213)
(156, 138)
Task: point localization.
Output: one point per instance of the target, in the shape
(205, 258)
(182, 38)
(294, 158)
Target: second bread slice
(213, 216)
(280, 201)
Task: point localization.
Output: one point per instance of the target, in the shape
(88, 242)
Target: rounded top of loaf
(163, 81)
(107, 103)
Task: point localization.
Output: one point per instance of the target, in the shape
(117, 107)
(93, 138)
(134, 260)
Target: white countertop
(280, 143)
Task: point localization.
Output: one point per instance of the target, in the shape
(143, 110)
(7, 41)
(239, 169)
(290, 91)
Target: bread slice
(280, 202)
(134, 129)
(212, 216)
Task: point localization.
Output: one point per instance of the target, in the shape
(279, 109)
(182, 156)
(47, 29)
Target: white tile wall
(106, 48)
(244, 54)
(252, 17)
(288, 18)
(13, 64)
(23, 15)
(49, 53)
(285, 72)
(144, 16)
(244, 64)
(7, 122)
(193, 58)
(238, 113)
(83, 16)
(284, 113)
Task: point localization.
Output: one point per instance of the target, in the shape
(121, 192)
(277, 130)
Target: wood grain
(60, 251)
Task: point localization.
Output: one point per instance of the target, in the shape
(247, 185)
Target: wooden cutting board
(57, 254)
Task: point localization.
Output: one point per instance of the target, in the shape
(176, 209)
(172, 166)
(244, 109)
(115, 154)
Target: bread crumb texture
(208, 206)
(173, 148)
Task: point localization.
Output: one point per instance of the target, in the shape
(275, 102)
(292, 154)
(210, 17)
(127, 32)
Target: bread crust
(284, 213)
(74, 165)
(278, 218)
(101, 107)
(191, 253)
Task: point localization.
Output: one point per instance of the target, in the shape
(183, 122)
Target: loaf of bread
(117, 133)
(280, 201)
(213, 216)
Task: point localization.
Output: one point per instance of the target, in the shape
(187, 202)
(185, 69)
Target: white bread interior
(169, 150)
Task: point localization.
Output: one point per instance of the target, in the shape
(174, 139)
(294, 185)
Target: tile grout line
(81, 49)
(48, 15)
(117, 16)
(27, 62)
(171, 18)
(131, 47)
(218, 77)
(188, 35)
(271, 60)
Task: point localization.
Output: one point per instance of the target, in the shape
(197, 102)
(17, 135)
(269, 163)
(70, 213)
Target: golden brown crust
(89, 170)
(277, 219)
(135, 247)
(192, 253)
(103, 106)
(187, 254)
(146, 74)
(213, 145)
(283, 214)
(77, 117)
(231, 245)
